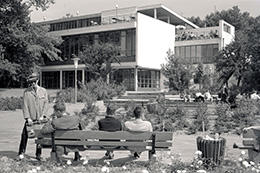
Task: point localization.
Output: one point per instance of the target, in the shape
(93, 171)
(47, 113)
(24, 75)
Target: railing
(197, 34)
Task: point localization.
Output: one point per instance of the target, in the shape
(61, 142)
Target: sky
(186, 8)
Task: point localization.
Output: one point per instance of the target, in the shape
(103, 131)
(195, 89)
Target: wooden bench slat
(77, 134)
(163, 136)
(100, 143)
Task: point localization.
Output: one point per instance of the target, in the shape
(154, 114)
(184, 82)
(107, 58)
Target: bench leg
(150, 155)
(53, 156)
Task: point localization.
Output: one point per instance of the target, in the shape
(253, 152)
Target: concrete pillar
(60, 79)
(155, 13)
(123, 43)
(83, 77)
(40, 78)
(136, 78)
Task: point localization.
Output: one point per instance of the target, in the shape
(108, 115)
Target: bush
(200, 117)
(244, 115)
(11, 103)
(102, 90)
(224, 122)
(164, 118)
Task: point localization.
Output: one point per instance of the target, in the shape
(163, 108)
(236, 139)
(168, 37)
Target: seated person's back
(62, 121)
(110, 124)
(138, 125)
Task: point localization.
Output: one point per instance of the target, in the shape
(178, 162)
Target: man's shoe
(38, 158)
(20, 157)
(109, 155)
(136, 155)
(77, 157)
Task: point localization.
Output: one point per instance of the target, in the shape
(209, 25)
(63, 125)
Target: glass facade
(75, 24)
(51, 80)
(148, 78)
(198, 53)
(125, 39)
(125, 77)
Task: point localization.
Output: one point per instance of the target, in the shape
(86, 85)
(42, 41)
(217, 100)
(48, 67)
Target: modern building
(144, 35)
(200, 45)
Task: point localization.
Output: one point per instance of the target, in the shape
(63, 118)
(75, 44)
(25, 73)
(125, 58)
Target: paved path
(11, 124)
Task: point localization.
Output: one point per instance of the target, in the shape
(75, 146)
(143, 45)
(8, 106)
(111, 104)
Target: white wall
(154, 39)
(226, 38)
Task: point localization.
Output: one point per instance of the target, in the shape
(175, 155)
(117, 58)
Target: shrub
(164, 118)
(244, 115)
(11, 103)
(102, 90)
(224, 121)
(201, 118)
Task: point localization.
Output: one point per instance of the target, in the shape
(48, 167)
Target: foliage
(234, 60)
(238, 118)
(244, 114)
(200, 118)
(68, 96)
(178, 72)
(92, 91)
(24, 44)
(224, 122)
(240, 59)
(98, 58)
(164, 118)
(11, 103)
(102, 90)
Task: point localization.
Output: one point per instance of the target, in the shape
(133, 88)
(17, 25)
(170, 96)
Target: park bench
(101, 140)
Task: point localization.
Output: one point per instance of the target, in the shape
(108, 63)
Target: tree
(24, 44)
(98, 58)
(234, 60)
(178, 72)
(233, 16)
(199, 75)
(197, 21)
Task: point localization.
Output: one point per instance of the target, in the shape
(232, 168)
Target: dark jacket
(66, 122)
(109, 124)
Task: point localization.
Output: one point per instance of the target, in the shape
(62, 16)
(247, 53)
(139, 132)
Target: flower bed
(173, 164)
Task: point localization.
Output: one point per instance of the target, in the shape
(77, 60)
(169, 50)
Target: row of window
(198, 53)
(75, 24)
(125, 39)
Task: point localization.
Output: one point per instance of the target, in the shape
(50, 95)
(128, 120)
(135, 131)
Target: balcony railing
(197, 34)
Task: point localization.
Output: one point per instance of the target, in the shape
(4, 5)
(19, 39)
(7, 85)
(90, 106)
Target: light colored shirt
(138, 125)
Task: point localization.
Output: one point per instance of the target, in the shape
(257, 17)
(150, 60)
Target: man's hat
(33, 77)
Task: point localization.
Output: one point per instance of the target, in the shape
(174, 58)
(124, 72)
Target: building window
(227, 28)
(125, 77)
(51, 80)
(148, 79)
(198, 53)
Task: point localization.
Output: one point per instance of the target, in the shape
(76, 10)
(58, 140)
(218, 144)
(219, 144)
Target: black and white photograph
(130, 86)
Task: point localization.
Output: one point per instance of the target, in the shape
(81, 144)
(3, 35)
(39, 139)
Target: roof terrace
(197, 34)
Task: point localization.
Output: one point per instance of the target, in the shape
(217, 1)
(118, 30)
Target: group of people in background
(35, 106)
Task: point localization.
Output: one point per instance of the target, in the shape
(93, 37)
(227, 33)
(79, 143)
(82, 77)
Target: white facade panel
(154, 39)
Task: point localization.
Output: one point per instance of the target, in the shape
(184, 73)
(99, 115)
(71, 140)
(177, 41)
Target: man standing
(138, 125)
(110, 124)
(35, 106)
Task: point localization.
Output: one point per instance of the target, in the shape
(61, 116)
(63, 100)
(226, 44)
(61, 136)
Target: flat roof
(162, 12)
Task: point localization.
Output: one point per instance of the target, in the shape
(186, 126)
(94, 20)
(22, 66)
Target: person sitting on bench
(61, 120)
(138, 125)
(110, 124)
